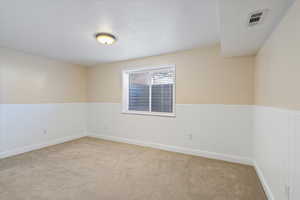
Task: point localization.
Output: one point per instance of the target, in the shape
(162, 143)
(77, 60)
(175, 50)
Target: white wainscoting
(212, 130)
(295, 157)
(25, 127)
(235, 133)
(1, 129)
(276, 135)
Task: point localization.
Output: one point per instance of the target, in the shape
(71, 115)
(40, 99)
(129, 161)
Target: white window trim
(125, 73)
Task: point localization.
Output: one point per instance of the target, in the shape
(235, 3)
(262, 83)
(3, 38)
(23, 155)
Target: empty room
(149, 100)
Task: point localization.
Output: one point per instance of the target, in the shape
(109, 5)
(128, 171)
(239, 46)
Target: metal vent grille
(256, 17)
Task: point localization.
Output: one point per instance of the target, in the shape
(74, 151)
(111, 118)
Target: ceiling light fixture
(105, 38)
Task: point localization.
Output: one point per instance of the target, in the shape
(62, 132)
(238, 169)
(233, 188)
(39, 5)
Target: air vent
(256, 17)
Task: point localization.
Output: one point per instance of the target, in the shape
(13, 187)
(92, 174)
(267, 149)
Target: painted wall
(212, 79)
(26, 127)
(211, 130)
(32, 79)
(273, 133)
(276, 118)
(42, 102)
(277, 65)
(213, 105)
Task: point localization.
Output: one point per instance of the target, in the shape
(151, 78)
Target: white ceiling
(64, 29)
(237, 38)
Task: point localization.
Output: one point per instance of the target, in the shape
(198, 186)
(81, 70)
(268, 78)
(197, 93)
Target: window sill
(149, 113)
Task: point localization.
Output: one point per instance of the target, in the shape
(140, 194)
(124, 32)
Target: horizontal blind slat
(162, 91)
(138, 92)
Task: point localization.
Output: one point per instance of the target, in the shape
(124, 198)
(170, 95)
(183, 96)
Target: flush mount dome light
(105, 38)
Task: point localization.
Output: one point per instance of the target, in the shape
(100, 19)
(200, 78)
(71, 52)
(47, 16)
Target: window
(149, 91)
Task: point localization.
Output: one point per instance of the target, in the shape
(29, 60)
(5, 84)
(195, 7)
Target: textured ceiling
(64, 29)
(237, 38)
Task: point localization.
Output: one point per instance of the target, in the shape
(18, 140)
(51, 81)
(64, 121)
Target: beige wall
(32, 79)
(203, 77)
(277, 65)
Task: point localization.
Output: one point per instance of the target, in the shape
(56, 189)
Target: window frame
(125, 95)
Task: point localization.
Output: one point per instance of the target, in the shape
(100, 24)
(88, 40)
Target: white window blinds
(150, 91)
(139, 91)
(162, 91)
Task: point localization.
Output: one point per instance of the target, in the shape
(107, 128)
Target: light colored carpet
(93, 169)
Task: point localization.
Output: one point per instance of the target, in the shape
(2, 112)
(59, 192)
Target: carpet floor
(94, 169)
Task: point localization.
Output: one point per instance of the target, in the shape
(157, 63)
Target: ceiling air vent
(256, 17)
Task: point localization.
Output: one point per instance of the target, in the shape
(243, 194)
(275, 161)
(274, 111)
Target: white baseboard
(38, 146)
(196, 152)
(263, 181)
